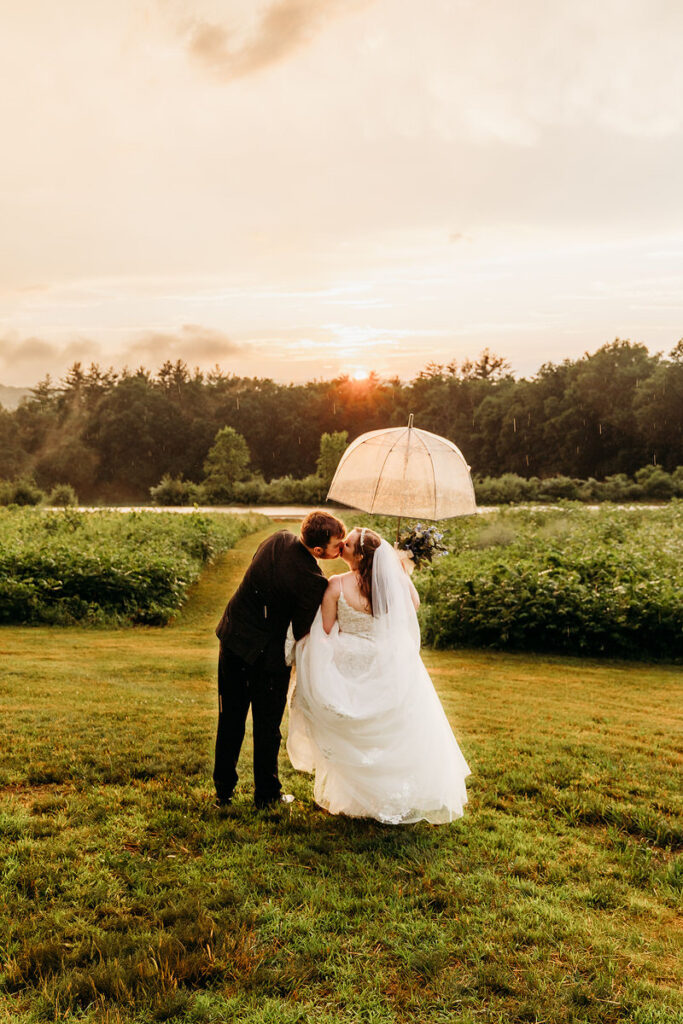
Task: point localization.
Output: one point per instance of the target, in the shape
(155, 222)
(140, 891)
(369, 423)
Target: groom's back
(283, 584)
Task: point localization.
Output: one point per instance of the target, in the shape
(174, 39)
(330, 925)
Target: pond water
(299, 511)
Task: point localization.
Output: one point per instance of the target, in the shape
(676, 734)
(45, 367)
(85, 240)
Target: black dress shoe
(283, 798)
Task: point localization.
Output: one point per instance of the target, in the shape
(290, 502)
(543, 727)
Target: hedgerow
(104, 567)
(604, 581)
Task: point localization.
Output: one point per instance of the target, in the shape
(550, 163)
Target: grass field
(125, 896)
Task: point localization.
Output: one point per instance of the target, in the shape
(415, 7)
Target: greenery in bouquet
(422, 544)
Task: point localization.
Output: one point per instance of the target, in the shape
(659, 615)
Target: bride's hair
(367, 543)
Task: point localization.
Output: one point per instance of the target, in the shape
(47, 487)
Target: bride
(365, 716)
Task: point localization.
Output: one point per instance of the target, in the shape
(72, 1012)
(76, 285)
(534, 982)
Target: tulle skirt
(366, 719)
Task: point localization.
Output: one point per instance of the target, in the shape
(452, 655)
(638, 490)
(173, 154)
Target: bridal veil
(365, 716)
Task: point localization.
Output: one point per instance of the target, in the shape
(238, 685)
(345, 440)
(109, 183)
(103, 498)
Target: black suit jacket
(283, 584)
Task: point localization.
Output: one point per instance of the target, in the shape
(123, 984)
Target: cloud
(30, 350)
(23, 361)
(192, 343)
(283, 27)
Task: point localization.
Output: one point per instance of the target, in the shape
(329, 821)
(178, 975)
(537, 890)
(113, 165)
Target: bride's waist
(349, 635)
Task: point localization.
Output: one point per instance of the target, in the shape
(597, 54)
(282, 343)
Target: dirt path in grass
(210, 595)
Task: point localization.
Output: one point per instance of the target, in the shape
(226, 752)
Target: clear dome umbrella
(404, 472)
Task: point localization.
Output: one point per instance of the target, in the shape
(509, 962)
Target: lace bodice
(352, 621)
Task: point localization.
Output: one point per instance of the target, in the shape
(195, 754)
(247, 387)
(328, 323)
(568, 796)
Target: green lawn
(125, 896)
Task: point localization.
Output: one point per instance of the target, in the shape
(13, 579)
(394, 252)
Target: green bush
(62, 494)
(176, 491)
(20, 492)
(508, 488)
(605, 581)
(556, 488)
(573, 580)
(656, 482)
(618, 487)
(64, 567)
(253, 491)
(285, 490)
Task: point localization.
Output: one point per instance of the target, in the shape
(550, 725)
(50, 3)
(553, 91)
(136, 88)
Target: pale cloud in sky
(27, 360)
(281, 27)
(427, 178)
(206, 346)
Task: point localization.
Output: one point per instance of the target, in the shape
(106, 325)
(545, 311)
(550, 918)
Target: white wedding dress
(365, 717)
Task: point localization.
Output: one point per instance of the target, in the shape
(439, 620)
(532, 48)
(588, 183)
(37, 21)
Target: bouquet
(420, 545)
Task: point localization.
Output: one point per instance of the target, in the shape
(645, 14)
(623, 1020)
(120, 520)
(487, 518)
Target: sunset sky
(307, 187)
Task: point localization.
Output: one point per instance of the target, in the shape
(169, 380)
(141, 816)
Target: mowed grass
(126, 896)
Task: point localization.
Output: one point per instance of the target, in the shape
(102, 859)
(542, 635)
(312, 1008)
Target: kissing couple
(365, 718)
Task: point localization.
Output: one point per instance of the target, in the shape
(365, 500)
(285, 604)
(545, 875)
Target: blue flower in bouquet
(422, 543)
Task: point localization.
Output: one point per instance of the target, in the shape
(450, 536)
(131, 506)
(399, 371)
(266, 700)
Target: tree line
(113, 436)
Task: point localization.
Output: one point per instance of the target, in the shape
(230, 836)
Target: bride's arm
(414, 596)
(329, 603)
(408, 566)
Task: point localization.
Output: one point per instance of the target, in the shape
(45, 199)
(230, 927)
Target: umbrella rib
(379, 475)
(429, 455)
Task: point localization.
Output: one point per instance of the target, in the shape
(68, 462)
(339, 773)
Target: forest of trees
(112, 436)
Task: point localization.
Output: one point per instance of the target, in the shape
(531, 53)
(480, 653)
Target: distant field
(126, 897)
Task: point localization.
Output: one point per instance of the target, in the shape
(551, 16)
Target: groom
(283, 584)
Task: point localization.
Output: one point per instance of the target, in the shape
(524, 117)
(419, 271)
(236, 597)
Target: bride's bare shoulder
(334, 582)
(334, 579)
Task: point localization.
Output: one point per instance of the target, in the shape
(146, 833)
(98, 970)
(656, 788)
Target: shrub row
(604, 581)
(650, 484)
(24, 491)
(285, 490)
(104, 567)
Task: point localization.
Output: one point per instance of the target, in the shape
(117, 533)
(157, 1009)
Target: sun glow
(360, 374)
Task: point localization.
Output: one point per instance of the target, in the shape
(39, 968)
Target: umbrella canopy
(403, 471)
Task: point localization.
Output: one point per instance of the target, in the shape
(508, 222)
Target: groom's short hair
(318, 529)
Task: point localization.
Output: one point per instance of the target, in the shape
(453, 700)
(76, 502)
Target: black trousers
(240, 686)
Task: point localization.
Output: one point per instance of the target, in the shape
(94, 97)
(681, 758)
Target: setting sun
(360, 374)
